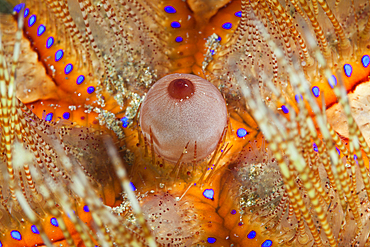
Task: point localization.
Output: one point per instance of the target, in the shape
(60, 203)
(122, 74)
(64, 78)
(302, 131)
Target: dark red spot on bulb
(183, 109)
(181, 89)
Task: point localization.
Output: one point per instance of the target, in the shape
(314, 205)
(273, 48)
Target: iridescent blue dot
(1, 244)
(297, 97)
(54, 222)
(133, 188)
(179, 39)
(31, 20)
(49, 117)
(34, 229)
(68, 68)
(41, 29)
(355, 157)
(26, 12)
(212, 52)
(170, 9)
(211, 240)
(219, 38)
(347, 69)
(365, 60)
(241, 132)
(49, 42)
(208, 193)
(316, 91)
(233, 211)
(267, 243)
(285, 109)
(80, 79)
(251, 235)
(227, 25)
(125, 122)
(337, 150)
(66, 115)
(86, 209)
(90, 90)
(315, 147)
(19, 7)
(238, 14)
(175, 24)
(16, 235)
(58, 55)
(332, 81)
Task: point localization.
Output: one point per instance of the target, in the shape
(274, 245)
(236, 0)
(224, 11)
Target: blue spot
(58, 55)
(208, 193)
(125, 122)
(297, 97)
(68, 69)
(26, 12)
(31, 20)
(19, 7)
(347, 69)
(238, 14)
(284, 109)
(34, 229)
(227, 25)
(241, 132)
(355, 157)
(175, 24)
(267, 243)
(132, 186)
(211, 240)
(90, 90)
(54, 222)
(40, 30)
(86, 209)
(1, 244)
(365, 60)
(315, 147)
(213, 52)
(316, 91)
(337, 150)
(49, 42)
(332, 81)
(80, 79)
(16, 235)
(251, 235)
(219, 38)
(233, 211)
(179, 39)
(49, 117)
(170, 9)
(66, 115)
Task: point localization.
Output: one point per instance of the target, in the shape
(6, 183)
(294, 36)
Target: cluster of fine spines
(242, 43)
(61, 55)
(179, 25)
(222, 28)
(315, 173)
(54, 224)
(104, 77)
(72, 82)
(41, 160)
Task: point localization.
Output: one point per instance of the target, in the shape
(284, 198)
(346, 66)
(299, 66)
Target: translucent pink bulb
(182, 108)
